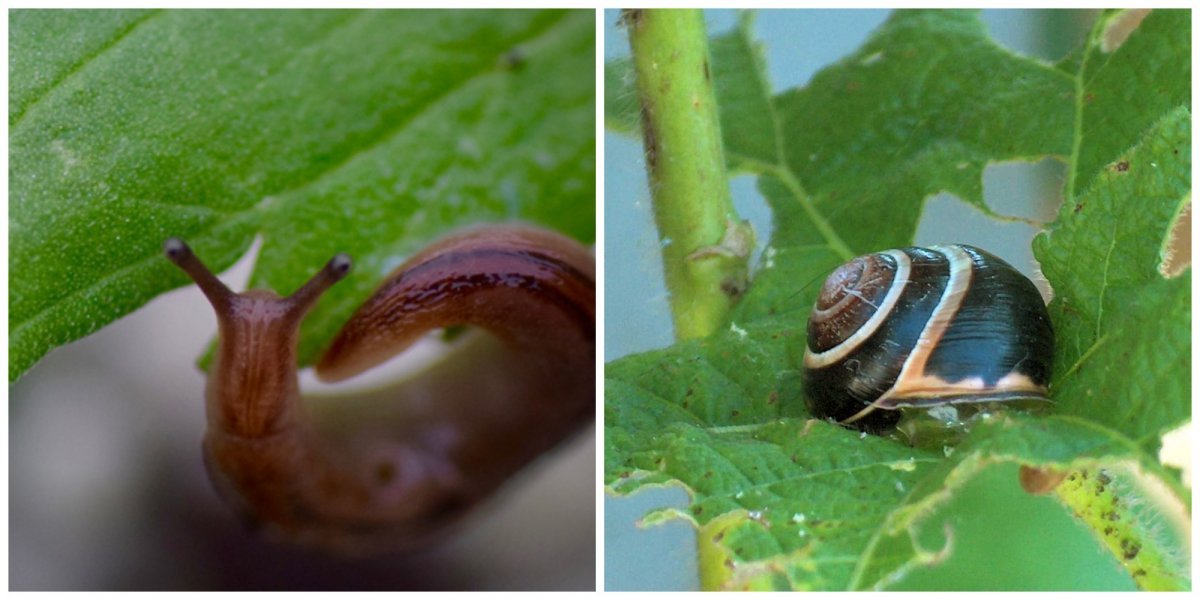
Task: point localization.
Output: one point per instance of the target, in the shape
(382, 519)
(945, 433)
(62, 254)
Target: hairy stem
(705, 246)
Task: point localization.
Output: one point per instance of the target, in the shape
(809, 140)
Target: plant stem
(705, 246)
(1099, 498)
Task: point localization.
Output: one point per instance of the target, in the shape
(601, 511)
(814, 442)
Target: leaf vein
(1104, 283)
(82, 64)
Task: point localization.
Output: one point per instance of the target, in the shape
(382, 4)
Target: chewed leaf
(1114, 312)
(781, 501)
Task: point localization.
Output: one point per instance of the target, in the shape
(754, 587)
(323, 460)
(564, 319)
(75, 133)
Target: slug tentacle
(393, 467)
(181, 254)
(303, 299)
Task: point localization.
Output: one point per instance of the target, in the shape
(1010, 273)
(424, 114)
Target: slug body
(946, 327)
(444, 440)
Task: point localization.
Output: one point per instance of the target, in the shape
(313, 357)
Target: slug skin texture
(394, 467)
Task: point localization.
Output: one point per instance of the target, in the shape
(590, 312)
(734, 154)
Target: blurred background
(107, 490)
(1004, 538)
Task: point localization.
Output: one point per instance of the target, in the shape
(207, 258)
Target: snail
(950, 330)
(445, 440)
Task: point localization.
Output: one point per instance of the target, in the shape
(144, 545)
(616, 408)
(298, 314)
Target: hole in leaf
(1177, 247)
(1176, 451)
(1120, 27)
(751, 206)
(949, 220)
(1045, 34)
(1031, 190)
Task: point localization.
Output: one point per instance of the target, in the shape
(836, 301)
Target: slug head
(252, 384)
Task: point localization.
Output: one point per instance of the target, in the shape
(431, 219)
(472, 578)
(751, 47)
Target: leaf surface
(320, 131)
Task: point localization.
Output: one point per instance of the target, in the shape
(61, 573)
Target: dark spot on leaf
(708, 474)
(1130, 550)
(1121, 166)
(707, 74)
(773, 397)
(1139, 573)
(733, 287)
(513, 60)
(690, 391)
(1104, 478)
(720, 536)
(1078, 207)
(1088, 97)
(735, 413)
(1108, 530)
(696, 511)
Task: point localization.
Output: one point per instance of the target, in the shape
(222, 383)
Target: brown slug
(445, 439)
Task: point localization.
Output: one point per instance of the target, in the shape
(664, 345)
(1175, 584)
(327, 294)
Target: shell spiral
(922, 327)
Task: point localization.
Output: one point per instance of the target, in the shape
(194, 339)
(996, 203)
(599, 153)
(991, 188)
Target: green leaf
(320, 131)
(921, 108)
(720, 416)
(1115, 315)
(1123, 89)
(1061, 443)
(620, 97)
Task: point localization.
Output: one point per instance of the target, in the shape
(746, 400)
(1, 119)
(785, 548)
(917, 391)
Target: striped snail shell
(924, 327)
